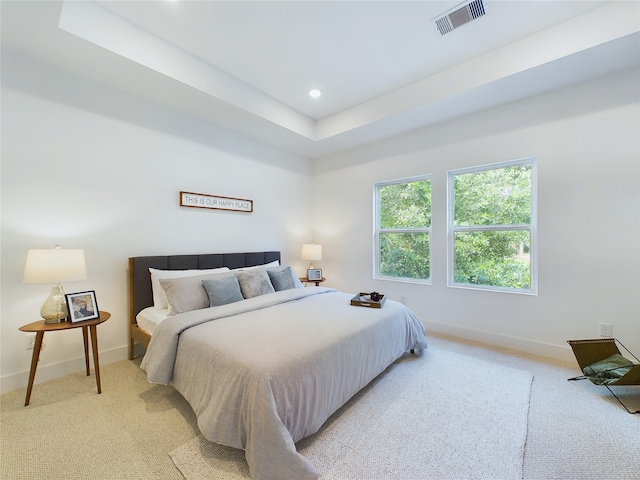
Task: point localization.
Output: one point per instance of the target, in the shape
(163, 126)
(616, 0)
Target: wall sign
(199, 200)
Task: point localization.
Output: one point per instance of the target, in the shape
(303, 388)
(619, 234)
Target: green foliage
(499, 257)
(405, 255)
(495, 258)
(493, 197)
(405, 206)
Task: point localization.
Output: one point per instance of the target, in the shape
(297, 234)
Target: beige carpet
(576, 430)
(438, 415)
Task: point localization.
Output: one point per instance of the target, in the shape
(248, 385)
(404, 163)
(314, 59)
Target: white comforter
(265, 372)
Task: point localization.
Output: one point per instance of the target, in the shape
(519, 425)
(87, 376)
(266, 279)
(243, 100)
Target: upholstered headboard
(141, 293)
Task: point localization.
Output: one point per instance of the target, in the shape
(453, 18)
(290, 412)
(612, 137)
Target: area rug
(437, 415)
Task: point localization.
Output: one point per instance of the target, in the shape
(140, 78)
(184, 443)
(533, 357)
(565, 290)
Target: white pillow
(275, 263)
(159, 296)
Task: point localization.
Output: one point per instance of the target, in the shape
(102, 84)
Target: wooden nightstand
(317, 282)
(88, 326)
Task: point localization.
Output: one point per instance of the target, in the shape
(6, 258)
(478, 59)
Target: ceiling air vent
(459, 15)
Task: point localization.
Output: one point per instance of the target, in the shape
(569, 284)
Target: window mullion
(489, 228)
(406, 230)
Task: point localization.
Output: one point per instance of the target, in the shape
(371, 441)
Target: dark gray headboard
(140, 293)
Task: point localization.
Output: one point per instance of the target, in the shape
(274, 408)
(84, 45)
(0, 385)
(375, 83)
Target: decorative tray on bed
(364, 300)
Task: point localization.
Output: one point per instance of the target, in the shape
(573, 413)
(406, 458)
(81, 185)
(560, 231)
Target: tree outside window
(492, 220)
(403, 229)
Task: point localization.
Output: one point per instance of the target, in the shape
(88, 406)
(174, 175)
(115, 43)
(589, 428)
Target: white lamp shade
(54, 265)
(311, 251)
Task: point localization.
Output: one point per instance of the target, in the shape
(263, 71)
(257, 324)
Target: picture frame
(314, 274)
(82, 306)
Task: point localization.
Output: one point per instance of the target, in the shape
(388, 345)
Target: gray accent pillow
(187, 293)
(296, 281)
(223, 290)
(254, 282)
(283, 279)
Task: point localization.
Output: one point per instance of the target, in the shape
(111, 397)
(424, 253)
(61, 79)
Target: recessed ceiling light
(315, 93)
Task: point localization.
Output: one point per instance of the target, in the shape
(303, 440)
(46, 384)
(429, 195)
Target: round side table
(305, 280)
(88, 326)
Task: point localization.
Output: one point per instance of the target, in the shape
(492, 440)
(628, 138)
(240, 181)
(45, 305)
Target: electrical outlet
(606, 330)
(29, 342)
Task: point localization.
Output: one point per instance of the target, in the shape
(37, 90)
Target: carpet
(437, 415)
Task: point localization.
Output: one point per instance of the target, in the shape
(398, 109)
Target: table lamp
(311, 251)
(54, 265)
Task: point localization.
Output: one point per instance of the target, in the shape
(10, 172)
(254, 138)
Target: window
(403, 229)
(492, 227)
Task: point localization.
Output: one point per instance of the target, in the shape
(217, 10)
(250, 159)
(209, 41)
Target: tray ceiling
(382, 66)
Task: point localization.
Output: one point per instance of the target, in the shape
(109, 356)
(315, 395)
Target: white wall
(87, 167)
(586, 139)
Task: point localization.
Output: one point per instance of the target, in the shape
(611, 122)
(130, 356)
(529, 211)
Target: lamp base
(54, 308)
(55, 320)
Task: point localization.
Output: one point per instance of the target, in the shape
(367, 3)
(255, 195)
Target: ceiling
(382, 66)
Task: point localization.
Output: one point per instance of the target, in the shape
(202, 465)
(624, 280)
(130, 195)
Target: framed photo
(314, 274)
(82, 306)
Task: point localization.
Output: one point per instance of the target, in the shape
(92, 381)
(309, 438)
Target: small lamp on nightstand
(311, 251)
(54, 265)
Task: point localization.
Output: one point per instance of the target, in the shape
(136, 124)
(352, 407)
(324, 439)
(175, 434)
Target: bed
(265, 371)
(141, 291)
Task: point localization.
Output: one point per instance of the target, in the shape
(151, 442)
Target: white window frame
(531, 227)
(377, 231)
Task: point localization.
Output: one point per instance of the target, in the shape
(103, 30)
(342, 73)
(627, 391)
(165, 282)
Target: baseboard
(558, 352)
(44, 373)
